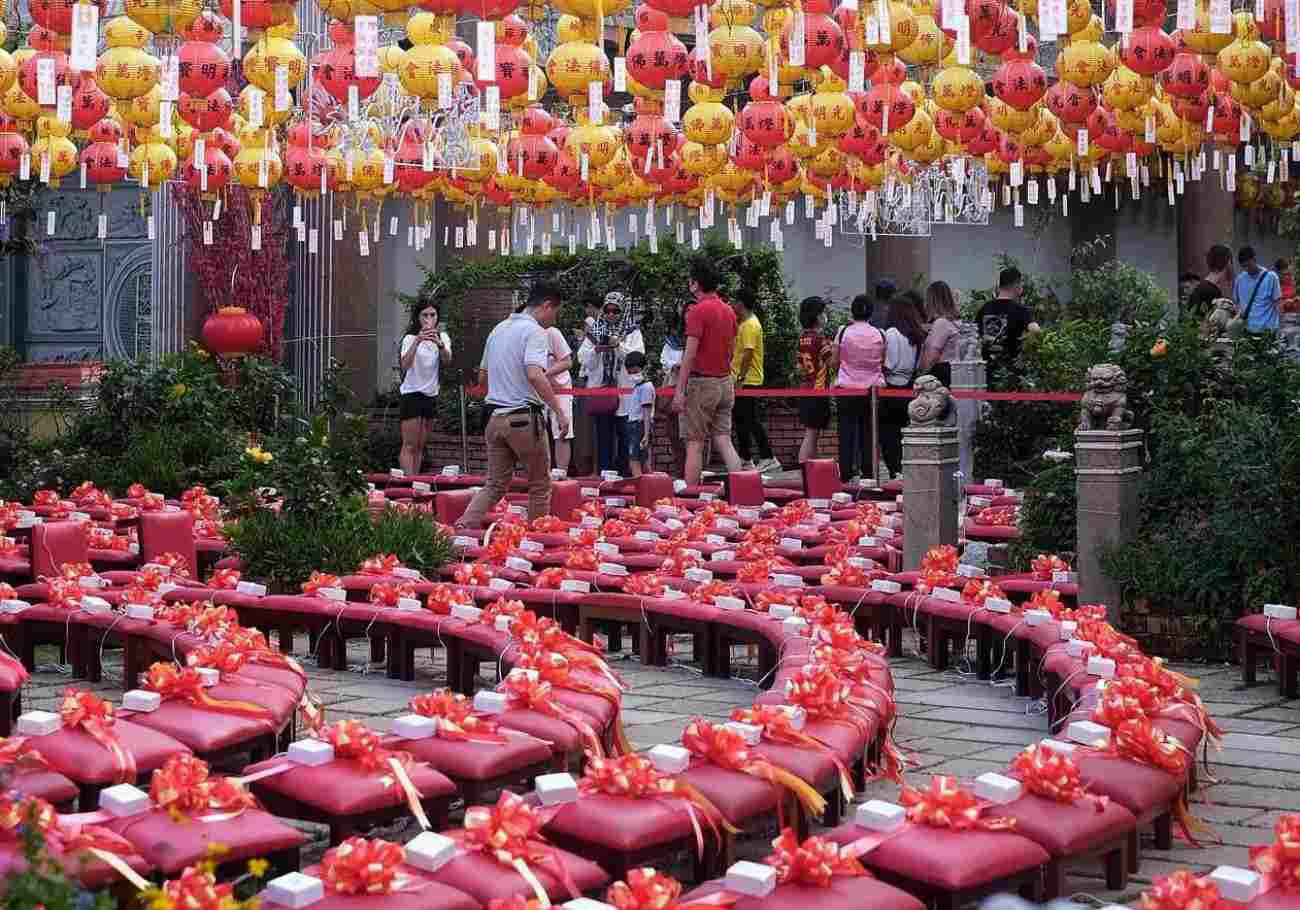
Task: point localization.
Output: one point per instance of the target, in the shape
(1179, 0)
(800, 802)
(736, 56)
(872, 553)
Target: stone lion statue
(1220, 322)
(1118, 336)
(968, 342)
(1105, 403)
(932, 405)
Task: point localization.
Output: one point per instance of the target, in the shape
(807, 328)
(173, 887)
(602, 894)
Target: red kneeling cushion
(1065, 828)
(202, 729)
(48, 785)
(1138, 788)
(624, 824)
(947, 859)
(485, 880)
(421, 894)
(821, 478)
(738, 796)
(475, 761)
(345, 788)
(845, 893)
(172, 845)
(450, 505)
(76, 754)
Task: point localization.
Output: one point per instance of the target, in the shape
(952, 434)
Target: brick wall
(780, 418)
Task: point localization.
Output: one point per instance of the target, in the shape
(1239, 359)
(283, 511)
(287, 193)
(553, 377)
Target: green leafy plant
(41, 883)
(1048, 517)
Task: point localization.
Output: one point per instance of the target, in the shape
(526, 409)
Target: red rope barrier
(837, 392)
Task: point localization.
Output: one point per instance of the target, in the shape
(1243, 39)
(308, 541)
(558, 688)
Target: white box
(794, 623)
(951, 595)
(780, 611)
(310, 752)
(616, 502)
(559, 474)
(576, 586)
(967, 571)
(160, 569)
(786, 580)
(1086, 733)
(715, 540)
(590, 521)
(993, 484)
(1067, 629)
(861, 562)
(673, 524)
(165, 587)
(519, 564)
(1057, 745)
(13, 605)
(461, 540)
(419, 486)
(124, 800)
(1037, 617)
(466, 613)
(139, 611)
(885, 586)
(1079, 648)
(451, 470)
(414, 726)
(589, 492)
(209, 676)
(669, 759)
(679, 485)
(503, 623)
(430, 851)
(606, 548)
(611, 568)
(95, 604)
(691, 553)
(728, 523)
(798, 716)
(1101, 666)
(673, 594)
(648, 536)
(979, 502)
(409, 604)
(722, 602)
(332, 593)
(92, 582)
(396, 472)
(749, 514)
(752, 734)
(722, 555)
(294, 890)
(1065, 578)
(554, 789)
(753, 879)
(500, 584)
(251, 588)
(141, 700)
(878, 815)
(868, 541)
(405, 572)
(1279, 611)
(488, 702)
(1235, 884)
(610, 476)
(531, 546)
(707, 497)
(38, 723)
(703, 576)
(888, 507)
(791, 543)
(997, 605)
(997, 788)
(586, 903)
(842, 499)
(886, 533)
(30, 521)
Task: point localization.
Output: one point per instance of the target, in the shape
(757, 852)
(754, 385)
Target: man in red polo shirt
(705, 394)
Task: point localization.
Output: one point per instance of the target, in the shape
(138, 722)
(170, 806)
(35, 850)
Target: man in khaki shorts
(514, 368)
(705, 393)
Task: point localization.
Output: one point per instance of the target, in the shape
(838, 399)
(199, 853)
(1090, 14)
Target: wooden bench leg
(1116, 869)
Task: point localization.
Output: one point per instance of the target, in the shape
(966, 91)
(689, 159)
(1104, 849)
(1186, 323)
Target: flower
(178, 390)
(257, 867)
(257, 455)
(1160, 348)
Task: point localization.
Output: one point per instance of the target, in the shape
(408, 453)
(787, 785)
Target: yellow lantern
(614, 173)
(170, 17)
(1078, 16)
(598, 142)
(125, 70)
(573, 65)
(1085, 63)
(708, 121)
(831, 108)
(703, 160)
(391, 57)
(267, 55)
(903, 29)
(1125, 90)
(914, 134)
(735, 47)
(932, 44)
(1007, 118)
(153, 164)
(1202, 39)
(1260, 92)
(1244, 60)
(957, 89)
(1280, 105)
(422, 64)
(142, 110)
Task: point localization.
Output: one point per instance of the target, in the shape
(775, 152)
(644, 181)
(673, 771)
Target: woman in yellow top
(747, 372)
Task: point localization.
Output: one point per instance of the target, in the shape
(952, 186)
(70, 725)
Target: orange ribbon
(171, 681)
(779, 728)
(1181, 891)
(319, 580)
(89, 712)
(536, 695)
(1054, 776)
(362, 865)
(383, 564)
(510, 833)
(1044, 565)
(184, 787)
(442, 597)
(646, 889)
(813, 863)
(946, 805)
(725, 748)
(456, 718)
(1280, 860)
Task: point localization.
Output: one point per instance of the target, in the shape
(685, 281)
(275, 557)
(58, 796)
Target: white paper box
(164, 571)
(861, 562)
(589, 492)
(752, 734)
(749, 514)
(294, 890)
(979, 502)
(1238, 885)
(586, 903)
(91, 582)
(611, 568)
(310, 752)
(885, 533)
(1101, 666)
(723, 602)
(753, 879)
(209, 676)
(885, 586)
(554, 789)
(466, 613)
(997, 605)
(794, 623)
(575, 585)
(430, 851)
(820, 503)
(949, 594)
(1086, 733)
(842, 499)
(673, 524)
(888, 507)
(410, 604)
(679, 485)
(780, 611)
(673, 594)
(488, 702)
(707, 497)
(616, 502)
(419, 486)
(523, 673)
(648, 536)
(251, 588)
(462, 541)
(692, 553)
(558, 473)
(141, 700)
(798, 716)
(791, 543)
(124, 800)
(669, 759)
(165, 587)
(786, 580)
(703, 576)
(610, 476)
(715, 540)
(38, 723)
(451, 470)
(531, 546)
(30, 521)
(997, 788)
(503, 623)
(501, 584)
(332, 593)
(1067, 629)
(1057, 745)
(139, 611)
(1078, 647)
(729, 524)
(722, 556)
(966, 571)
(1279, 611)
(414, 726)
(1037, 617)
(878, 815)
(590, 521)
(406, 572)
(13, 605)
(993, 483)
(519, 564)
(605, 548)
(396, 472)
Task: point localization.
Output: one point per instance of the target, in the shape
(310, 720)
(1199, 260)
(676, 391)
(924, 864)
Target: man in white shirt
(558, 362)
(514, 368)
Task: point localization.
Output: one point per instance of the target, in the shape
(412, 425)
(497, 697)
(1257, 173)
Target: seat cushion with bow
(738, 796)
(1063, 829)
(172, 844)
(1137, 787)
(346, 788)
(78, 755)
(486, 880)
(203, 730)
(418, 892)
(475, 761)
(947, 859)
(624, 824)
(844, 893)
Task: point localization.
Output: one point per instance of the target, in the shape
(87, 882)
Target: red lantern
(985, 142)
(765, 121)
(780, 166)
(232, 331)
(1001, 36)
(748, 156)
(27, 72)
(203, 68)
(1187, 76)
(887, 101)
(89, 103)
(491, 9)
(303, 167)
(1149, 13)
(1031, 49)
(1010, 148)
(512, 67)
(656, 56)
(411, 175)
(862, 139)
(985, 16)
(1070, 103)
(1149, 51)
(1194, 110)
(533, 155)
(336, 71)
(259, 13)
(207, 27)
(960, 127)
(566, 175)
(701, 72)
(823, 40)
(56, 15)
(1104, 129)
(217, 165)
(100, 159)
(206, 114)
(444, 7)
(1020, 83)
(645, 130)
(497, 194)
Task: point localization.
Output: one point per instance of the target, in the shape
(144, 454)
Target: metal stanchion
(464, 432)
(875, 435)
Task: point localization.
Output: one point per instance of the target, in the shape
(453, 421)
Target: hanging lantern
(232, 332)
(1186, 77)
(1020, 83)
(764, 120)
(1149, 51)
(708, 121)
(89, 104)
(656, 55)
(206, 113)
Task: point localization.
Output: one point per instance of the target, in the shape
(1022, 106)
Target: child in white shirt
(636, 412)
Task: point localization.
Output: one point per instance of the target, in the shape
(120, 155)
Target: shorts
(417, 404)
(709, 401)
(566, 407)
(632, 431)
(815, 413)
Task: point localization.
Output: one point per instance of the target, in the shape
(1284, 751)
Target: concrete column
(1204, 219)
(930, 460)
(968, 376)
(1108, 466)
(901, 259)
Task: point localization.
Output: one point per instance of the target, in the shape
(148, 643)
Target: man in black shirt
(1004, 320)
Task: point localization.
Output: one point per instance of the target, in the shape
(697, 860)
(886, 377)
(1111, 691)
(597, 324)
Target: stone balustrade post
(931, 455)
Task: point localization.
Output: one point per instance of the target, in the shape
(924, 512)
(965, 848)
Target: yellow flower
(253, 452)
(257, 867)
(178, 390)
(217, 848)
(265, 457)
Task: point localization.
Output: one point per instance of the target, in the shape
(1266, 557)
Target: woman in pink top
(857, 361)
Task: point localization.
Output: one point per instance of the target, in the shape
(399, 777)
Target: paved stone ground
(950, 724)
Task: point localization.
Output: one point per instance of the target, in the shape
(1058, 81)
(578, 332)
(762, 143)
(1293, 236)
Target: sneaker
(747, 466)
(770, 466)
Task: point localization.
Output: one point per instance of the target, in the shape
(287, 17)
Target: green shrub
(1048, 516)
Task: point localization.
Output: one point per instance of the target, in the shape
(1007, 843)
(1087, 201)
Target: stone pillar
(930, 461)
(969, 374)
(1204, 219)
(901, 259)
(1108, 465)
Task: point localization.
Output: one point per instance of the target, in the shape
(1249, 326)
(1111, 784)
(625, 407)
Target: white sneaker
(770, 466)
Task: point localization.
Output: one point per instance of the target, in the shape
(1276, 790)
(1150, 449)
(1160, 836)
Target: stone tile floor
(949, 723)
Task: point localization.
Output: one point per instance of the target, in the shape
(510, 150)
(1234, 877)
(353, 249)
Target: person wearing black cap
(885, 291)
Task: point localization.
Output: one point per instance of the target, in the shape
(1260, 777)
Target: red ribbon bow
(778, 726)
(89, 712)
(646, 889)
(319, 580)
(813, 863)
(549, 524)
(615, 528)
(726, 749)
(536, 695)
(582, 559)
(646, 584)
(387, 593)
(456, 718)
(1280, 860)
(224, 579)
(510, 833)
(1181, 891)
(998, 516)
(354, 741)
(179, 565)
(477, 574)
(552, 578)
(184, 786)
(1053, 775)
(171, 681)
(1044, 565)
(15, 751)
(361, 865)
(946, 805)
(442, 597)
(383, 564)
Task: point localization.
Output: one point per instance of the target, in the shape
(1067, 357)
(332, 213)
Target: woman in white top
(604, 347)
(904, 336)
(558, 361)
(425, 348)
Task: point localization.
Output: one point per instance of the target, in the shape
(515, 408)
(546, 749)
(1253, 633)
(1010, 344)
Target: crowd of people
(1256, 296)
